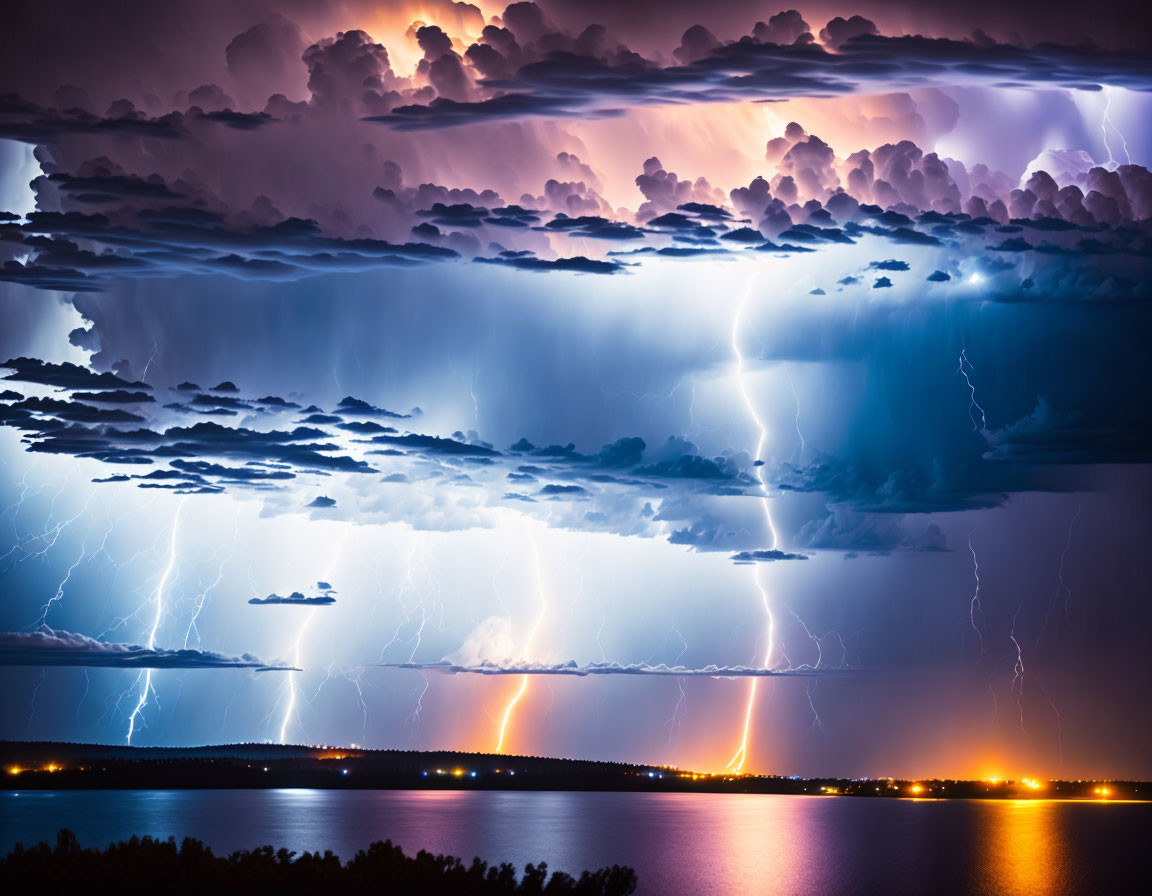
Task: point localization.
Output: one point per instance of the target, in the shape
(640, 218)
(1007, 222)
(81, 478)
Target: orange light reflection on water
(1023, 848)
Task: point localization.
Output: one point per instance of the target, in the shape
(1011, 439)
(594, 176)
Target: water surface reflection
(679, 844)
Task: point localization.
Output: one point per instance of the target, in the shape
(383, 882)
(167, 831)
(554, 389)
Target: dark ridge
(60, 766)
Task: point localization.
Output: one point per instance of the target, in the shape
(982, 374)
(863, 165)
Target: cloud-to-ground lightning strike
(297, 647)
(740, 757)
(522, 687)
(158, 598)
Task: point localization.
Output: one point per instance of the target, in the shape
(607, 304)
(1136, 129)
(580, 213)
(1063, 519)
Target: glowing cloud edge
(572, 668)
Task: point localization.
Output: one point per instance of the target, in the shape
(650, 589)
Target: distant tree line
(143, 864)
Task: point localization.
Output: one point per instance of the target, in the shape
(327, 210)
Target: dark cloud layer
(46, 647)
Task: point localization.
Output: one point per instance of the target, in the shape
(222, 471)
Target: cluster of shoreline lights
(50, 767)
(917, 789)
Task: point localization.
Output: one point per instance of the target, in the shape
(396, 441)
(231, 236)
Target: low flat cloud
(48, 647)
(745, 557)
(660, 670)
(323, 598)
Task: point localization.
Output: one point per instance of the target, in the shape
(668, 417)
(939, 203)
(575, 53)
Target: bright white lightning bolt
(963, 369)
(159, 601)
(740, 757)
(1105, 122)
(290, 707)
(542, 598)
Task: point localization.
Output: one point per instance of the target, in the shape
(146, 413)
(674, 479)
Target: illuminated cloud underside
(572, 668)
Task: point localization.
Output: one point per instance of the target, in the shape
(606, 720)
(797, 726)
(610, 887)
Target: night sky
(711, 384)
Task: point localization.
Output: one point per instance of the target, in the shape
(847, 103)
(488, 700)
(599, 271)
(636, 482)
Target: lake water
(679, 844)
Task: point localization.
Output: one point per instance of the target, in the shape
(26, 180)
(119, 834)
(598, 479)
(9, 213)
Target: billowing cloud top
(148, 188)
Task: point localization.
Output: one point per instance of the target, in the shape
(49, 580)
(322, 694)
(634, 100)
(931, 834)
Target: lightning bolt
(740, 757)
(413, 720)
(158, 599)
(542, 599)
(1105, 122)
(35, 691)
(151, 358)
(799, 435)
(202, 597)
(974, 606)
(59, 595)
(290, 707)
(1018, 668)
(816, 721)
(963, 370)
(51, 533)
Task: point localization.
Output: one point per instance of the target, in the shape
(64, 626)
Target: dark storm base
(63, 766)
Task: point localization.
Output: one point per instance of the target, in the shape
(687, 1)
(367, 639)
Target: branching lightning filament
(964, 369)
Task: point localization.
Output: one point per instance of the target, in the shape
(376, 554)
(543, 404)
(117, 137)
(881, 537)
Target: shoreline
(40, 766)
